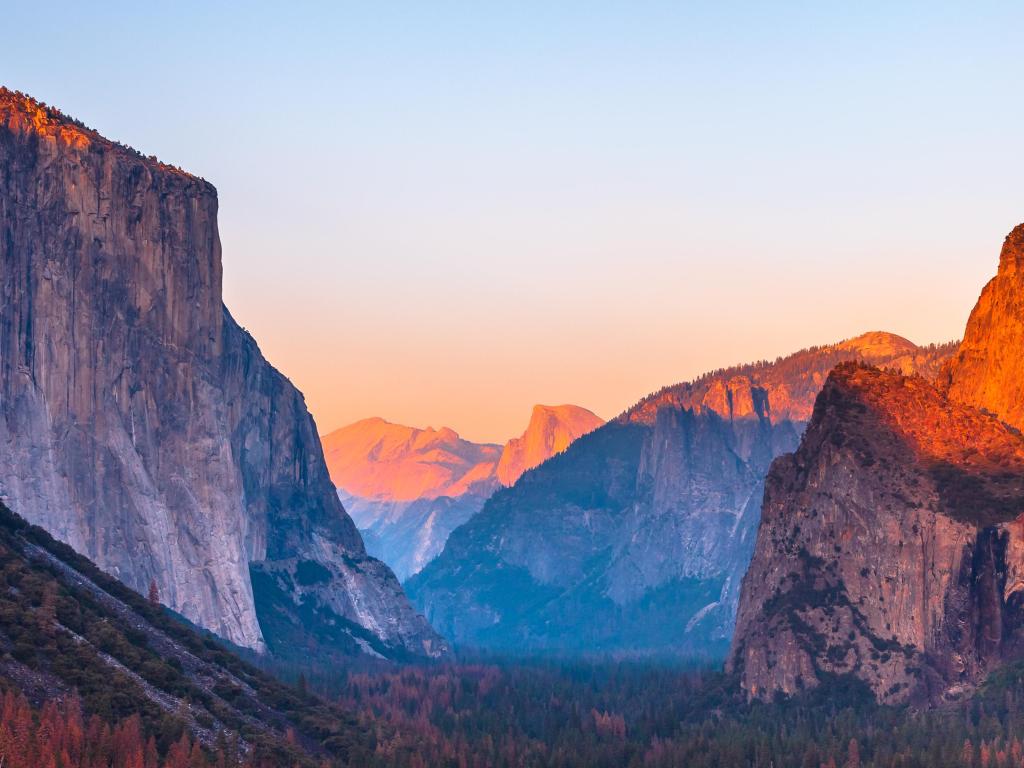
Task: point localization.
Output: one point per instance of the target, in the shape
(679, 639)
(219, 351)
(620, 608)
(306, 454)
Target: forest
(548, 713)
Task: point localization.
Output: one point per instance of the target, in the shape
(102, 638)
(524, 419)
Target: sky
(442, 213)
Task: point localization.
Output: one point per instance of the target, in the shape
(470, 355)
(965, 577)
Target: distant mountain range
(408, 488)
(635, 538)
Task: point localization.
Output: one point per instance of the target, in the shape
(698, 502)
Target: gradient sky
(442, 213)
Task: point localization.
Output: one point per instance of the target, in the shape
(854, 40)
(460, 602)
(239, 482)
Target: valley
(814, 560)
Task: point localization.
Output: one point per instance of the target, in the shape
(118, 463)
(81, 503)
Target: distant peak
(878, 344)
(371, 422)
(551, 430)
(444, 433)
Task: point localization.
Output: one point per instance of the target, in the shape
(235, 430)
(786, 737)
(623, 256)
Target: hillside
(68, 631)
(888, 545)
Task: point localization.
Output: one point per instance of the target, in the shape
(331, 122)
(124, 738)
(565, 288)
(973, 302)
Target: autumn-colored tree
(152, 757)
(196, 758)
(179, 753)
(853, 754)
(967, 754)
(154, 593)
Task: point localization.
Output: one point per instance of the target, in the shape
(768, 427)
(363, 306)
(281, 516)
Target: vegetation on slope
(70, 632)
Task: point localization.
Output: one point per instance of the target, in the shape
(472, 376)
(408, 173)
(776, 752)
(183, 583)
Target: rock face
(890, 544)
(407, 489)
(551, 430)
(138, 422)
(988, 370)
(636, 537)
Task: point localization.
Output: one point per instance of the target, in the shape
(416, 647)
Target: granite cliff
(551, 430)
(890, 545)
(988, 369)
(407, 489)
(637, 536)
(140, 424)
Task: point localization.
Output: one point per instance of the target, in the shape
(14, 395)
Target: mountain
(551, 430)
(141, 425)
(636, 537)
(374, 459)
(988, 369)
(891, 546)
(70, 632)
(888, 545)
(407, 489)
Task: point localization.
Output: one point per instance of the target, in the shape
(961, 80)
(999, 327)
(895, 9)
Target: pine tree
(154, 593)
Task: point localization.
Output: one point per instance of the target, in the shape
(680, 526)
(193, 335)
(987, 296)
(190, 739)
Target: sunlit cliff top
(21, 113)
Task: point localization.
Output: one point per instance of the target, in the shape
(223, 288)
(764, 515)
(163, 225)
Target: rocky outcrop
(637, 536)
(890, 543)
(889, 547)
(988, 369)
(551, 430)
(138, 422)
(407, 489)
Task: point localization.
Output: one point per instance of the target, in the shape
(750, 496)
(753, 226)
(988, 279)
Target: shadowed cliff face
(138, 422)
(407, 489)
(636, 537)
